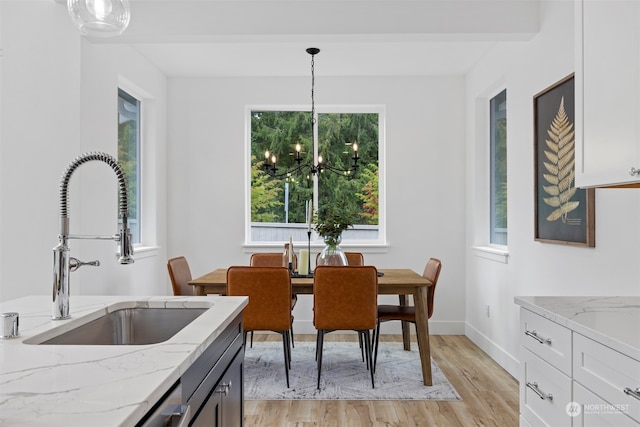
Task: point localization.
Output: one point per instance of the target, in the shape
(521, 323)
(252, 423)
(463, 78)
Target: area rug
(344, 375)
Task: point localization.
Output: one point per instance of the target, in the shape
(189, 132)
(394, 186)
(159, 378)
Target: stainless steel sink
(130, 326)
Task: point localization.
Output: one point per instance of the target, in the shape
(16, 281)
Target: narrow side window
(498, 172)
(129, 155)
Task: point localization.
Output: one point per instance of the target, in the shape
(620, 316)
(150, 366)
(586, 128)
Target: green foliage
(265, 194)
(331, 221)
(280, 131)
(127, 157)
(369, 194)
(500, 174)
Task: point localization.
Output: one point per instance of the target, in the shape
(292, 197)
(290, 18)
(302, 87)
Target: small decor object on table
(330, 228)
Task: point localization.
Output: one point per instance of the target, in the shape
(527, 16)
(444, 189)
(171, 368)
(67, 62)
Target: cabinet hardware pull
(533, 334)
(224, 388)
(633, 393)
(536, 390)
(634, 172)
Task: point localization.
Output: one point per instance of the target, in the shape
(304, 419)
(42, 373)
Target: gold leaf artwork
(559, 166)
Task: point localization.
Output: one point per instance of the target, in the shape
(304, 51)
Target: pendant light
(269, 163)
(100, 18)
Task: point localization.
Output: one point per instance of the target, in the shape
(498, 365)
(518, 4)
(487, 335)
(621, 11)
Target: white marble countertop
(70, 385)
(613, 321)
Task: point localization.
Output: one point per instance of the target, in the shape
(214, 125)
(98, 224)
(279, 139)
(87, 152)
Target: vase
(332, 254)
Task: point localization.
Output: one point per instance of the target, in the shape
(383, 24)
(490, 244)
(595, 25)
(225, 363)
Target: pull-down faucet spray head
(124, 243)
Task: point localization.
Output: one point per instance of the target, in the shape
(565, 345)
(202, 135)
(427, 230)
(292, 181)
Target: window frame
(132, 99)
(320, 109)
(492, 183)
(147, 187)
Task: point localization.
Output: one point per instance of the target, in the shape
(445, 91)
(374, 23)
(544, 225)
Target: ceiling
(204, 38)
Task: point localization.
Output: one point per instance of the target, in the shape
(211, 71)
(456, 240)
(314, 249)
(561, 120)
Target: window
(277, 204)
(129, 155)
(498, 168)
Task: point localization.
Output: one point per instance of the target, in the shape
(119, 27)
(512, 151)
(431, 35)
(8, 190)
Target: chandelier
(269, 164)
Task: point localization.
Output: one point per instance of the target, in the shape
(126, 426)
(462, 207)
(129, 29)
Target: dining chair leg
(361, 346)
(319, 346)
(293, 344)
(367, 344)
(289, 346)
(287, 361)
(251, 339)
(366, 337)
(375, 351)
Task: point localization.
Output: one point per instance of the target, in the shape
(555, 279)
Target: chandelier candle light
(269, 164)
(305, 260)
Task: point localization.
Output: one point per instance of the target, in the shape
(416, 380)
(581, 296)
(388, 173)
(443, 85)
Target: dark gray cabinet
(211, 391)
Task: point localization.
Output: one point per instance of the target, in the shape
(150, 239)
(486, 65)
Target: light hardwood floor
(489, 395)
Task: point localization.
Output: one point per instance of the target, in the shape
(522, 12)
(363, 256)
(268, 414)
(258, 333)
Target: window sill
(316, 247)
(492, 253)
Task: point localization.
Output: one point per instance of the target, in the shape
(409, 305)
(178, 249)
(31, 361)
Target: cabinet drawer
(546, 339)
(595, 412)
(607, 373)
(544, 392)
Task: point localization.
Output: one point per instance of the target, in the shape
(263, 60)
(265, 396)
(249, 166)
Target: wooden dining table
(397, 281)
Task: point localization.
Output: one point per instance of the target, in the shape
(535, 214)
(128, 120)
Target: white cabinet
(592, 411)
(545, 371)
(568, 379)
(547, 339)
(544, 391)
(605, 374)
(607, 92)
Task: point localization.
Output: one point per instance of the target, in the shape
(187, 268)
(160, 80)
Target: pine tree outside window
(277, 205)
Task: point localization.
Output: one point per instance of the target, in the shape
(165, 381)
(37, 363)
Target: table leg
(422, 326)
(199, 291)
(406, 332)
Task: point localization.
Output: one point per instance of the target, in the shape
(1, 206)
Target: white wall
(533, 268)
(104, 69)
(40, 134)
(58, 101)
(424, 180)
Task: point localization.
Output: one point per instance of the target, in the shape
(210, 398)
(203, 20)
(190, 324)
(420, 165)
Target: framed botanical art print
(564, 214)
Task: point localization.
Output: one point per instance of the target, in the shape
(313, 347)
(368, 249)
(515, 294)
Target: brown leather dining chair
(269, 309)
(274, 259)
(180, 276)
(345, 298)
(407, 313)
(353, 258)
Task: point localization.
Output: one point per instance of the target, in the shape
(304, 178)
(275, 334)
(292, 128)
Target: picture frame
(564, 214)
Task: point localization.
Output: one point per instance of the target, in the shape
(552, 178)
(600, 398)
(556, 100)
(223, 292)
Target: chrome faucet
(63, 263)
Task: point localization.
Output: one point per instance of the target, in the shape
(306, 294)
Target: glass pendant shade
(100, 18)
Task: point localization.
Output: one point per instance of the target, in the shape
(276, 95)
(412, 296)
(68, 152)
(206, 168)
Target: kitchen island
(99, 385)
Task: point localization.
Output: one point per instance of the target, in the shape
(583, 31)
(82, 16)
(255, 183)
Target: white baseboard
(497, 353)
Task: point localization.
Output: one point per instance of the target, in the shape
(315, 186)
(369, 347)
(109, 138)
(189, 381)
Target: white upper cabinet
(607, 92)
